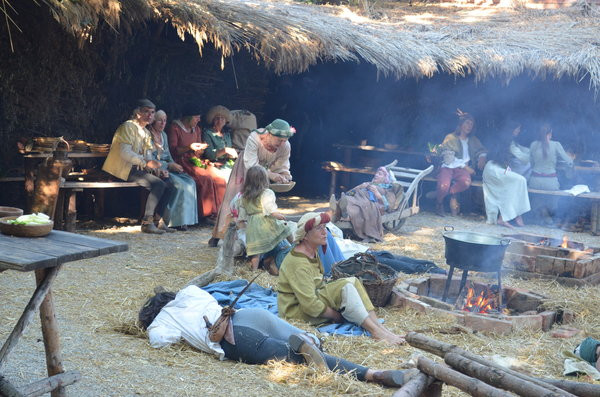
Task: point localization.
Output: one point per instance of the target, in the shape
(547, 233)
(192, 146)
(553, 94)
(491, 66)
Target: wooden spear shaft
(465, 383)
(441, 349)
(497, 378)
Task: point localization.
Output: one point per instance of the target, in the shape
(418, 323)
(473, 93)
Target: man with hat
(268, 147)
(130, 159)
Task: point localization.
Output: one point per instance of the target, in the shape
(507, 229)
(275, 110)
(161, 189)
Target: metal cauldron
(474, 251)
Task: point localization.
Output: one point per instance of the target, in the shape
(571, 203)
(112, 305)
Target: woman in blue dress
(182, 207)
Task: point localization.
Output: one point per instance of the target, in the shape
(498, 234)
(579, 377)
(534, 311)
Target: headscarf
(389, 177)
(279, 128)
(587, 350)
(308, 222)
(215, 111)
(145, 103)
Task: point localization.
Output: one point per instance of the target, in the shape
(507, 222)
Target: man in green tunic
(303, 293)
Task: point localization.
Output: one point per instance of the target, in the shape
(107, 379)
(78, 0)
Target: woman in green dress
(220, 151)
(265, 226)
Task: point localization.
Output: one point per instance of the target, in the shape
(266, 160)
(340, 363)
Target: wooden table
(45, 256)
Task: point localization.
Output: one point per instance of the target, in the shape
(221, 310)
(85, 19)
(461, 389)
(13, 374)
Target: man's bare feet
(502, 222)
(387, 336)
(254, 262)
(519, 221)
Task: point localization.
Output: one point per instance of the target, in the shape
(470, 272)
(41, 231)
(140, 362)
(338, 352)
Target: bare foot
(254, 262)
(519, 221)
(502, 222)
(387, 336)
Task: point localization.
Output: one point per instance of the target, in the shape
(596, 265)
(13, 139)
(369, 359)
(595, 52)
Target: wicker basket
(24, 230)
(378, 279)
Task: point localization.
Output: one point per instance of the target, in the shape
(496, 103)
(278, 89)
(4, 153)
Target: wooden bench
(336, 167)
(65, 217)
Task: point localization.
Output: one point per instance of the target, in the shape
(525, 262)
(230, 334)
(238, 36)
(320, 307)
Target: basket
(377, 278)
(24, 230)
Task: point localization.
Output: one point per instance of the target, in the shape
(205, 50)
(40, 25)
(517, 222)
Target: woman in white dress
(504, 191)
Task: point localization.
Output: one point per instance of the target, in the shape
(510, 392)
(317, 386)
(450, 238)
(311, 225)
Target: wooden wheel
(394, 225)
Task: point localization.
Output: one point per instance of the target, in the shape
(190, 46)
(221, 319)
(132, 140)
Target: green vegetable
(31, 219)
(197, 162)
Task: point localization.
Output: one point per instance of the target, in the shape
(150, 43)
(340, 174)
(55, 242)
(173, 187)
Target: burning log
(441, 349)
(454, 378)
(497, 377)
(418, 386)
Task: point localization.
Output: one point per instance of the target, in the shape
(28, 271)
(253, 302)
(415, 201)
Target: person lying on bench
(303, 293)
(250, 335)
(366, 203)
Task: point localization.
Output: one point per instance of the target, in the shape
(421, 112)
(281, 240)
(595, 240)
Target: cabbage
(32, 219)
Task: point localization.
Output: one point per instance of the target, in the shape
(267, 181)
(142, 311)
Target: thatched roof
(415, 41)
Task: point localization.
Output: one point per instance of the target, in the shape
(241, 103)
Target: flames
(482, 303)
(565, 242)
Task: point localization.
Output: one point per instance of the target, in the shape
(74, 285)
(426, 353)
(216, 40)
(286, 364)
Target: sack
(377, 278)
(222, 328)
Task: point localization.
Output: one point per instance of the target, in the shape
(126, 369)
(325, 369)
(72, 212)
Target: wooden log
(497, 377)
(225, 260)
(50, 334)
(417, 386)
(7, 389)
(441, 348)
(25, 319)
(454, 378)
(580, 389)
(47, 385)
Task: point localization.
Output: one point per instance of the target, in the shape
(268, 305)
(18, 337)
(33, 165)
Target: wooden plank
(63, 251)
(96, 185)
(24, 260)
(103, 245)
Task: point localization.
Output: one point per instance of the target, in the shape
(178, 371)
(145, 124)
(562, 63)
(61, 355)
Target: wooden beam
(47, 385)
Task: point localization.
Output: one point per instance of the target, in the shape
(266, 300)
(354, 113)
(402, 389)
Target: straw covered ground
(97, 302)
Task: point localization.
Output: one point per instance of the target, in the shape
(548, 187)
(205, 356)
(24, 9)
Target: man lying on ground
(256, 335)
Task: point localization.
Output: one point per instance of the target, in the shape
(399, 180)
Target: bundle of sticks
(479, 376)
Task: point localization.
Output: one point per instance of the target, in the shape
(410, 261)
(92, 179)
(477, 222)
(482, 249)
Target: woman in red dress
(185, 141)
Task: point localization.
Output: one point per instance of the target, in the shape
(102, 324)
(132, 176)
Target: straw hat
(215, 111)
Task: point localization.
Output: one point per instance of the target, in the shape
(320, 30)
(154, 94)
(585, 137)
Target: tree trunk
(580, 389)
(465, 383)
(497, 377)
(419, 386)
(225, 260)
(47, 385)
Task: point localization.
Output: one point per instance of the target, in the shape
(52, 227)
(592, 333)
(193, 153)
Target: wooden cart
(409, 178)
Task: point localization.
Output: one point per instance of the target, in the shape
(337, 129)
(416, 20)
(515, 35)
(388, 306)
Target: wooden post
(25, 319)
(47, 385)
(465, 383)
(332, 183)
(50, 334)
(71, 218)
(441, 349)
(419, 386)
(496, 377)
(594, 217)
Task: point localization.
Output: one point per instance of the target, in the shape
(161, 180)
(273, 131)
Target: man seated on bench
(130, 159)
(364, 205)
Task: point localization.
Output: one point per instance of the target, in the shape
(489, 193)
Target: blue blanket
(261, 297)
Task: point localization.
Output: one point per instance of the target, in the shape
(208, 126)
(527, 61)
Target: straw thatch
(416, 41)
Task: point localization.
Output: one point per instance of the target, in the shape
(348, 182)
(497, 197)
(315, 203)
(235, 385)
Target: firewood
(454, 378)
(417, 386)
(441, 349)
(580, 389)
(47, 385)
(497, 377)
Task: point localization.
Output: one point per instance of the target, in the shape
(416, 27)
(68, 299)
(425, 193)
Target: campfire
(479, 306)
(567, 261)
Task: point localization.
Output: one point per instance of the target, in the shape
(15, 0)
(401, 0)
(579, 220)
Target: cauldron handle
(504, 241)
(448, 228)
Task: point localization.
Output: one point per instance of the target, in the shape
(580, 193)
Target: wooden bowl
(10, 211)
(24, 230)
(282, 187)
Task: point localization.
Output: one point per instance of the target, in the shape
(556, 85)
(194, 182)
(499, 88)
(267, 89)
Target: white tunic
(504, 193)
(182, 318)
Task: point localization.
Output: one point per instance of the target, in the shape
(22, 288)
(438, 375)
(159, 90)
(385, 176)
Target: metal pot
(474, 251)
